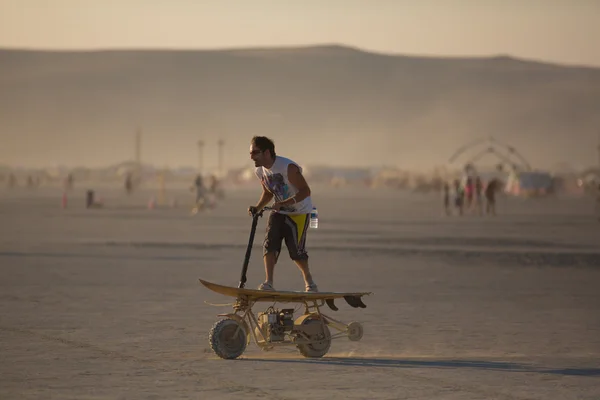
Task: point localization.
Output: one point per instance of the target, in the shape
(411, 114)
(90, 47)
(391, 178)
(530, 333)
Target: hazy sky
(566, 31)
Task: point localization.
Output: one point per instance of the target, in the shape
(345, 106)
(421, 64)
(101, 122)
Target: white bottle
(314, 218)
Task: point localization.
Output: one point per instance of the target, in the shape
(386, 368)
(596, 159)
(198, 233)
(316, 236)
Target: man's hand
(252, 210)
(276, 206)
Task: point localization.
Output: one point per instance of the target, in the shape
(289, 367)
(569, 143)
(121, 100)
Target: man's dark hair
(264, 144)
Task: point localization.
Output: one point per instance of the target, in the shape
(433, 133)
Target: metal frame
(244, 314)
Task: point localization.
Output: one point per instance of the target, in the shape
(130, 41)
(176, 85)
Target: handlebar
(260, 213)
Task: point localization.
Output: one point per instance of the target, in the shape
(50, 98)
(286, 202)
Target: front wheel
(227, 338)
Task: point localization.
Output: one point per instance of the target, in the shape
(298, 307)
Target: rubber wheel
(320, 348)
(355, 331)
(223, 342)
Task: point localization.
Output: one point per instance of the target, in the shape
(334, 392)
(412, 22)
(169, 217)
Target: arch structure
(470, 153)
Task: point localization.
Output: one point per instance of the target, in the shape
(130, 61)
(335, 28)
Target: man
(478, 194)
(459, 196)
(200, 190)
(129, 183)
(490, 196)
(281, 179)
(446, 196)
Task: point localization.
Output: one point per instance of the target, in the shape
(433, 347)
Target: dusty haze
(325, 104)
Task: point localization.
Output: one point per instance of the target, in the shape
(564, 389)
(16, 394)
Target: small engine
(274, 323)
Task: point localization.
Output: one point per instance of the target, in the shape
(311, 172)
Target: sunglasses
(255, 152)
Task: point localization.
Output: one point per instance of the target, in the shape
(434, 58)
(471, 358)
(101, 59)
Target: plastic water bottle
(314, 218)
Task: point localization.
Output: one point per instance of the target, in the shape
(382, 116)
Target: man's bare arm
(265, 198)
(297, 179)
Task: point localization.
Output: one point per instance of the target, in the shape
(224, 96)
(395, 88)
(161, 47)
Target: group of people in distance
(469, 194)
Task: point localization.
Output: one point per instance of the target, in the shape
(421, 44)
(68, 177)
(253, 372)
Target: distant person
(214, 191)
(478, 195)
(129, 183)
(469, 192)
(490, 196)
(446, 197)
(459, 196)
(91, 202)
(200, 192)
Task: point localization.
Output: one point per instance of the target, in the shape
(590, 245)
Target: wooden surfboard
(352, 298)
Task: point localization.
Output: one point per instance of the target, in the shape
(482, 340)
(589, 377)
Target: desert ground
(106, 303)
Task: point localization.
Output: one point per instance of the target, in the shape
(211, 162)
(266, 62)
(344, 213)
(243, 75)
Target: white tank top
(276, 180)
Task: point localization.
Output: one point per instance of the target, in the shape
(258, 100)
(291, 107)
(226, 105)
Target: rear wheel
(227, 338)
(321, 340)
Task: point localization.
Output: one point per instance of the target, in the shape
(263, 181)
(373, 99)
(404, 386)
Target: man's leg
(270, 261)
(295, 240)
(303, 265)
(272, 245)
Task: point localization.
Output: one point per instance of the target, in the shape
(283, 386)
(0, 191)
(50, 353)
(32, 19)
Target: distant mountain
(325, 104)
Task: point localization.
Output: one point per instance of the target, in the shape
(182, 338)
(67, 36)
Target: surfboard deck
(352, 298)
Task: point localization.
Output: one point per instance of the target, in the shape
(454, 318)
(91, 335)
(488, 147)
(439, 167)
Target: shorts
(292, 229)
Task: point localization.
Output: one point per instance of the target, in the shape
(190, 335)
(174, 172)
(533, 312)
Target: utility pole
(200, 156)
(221, 147)
(138, 147)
